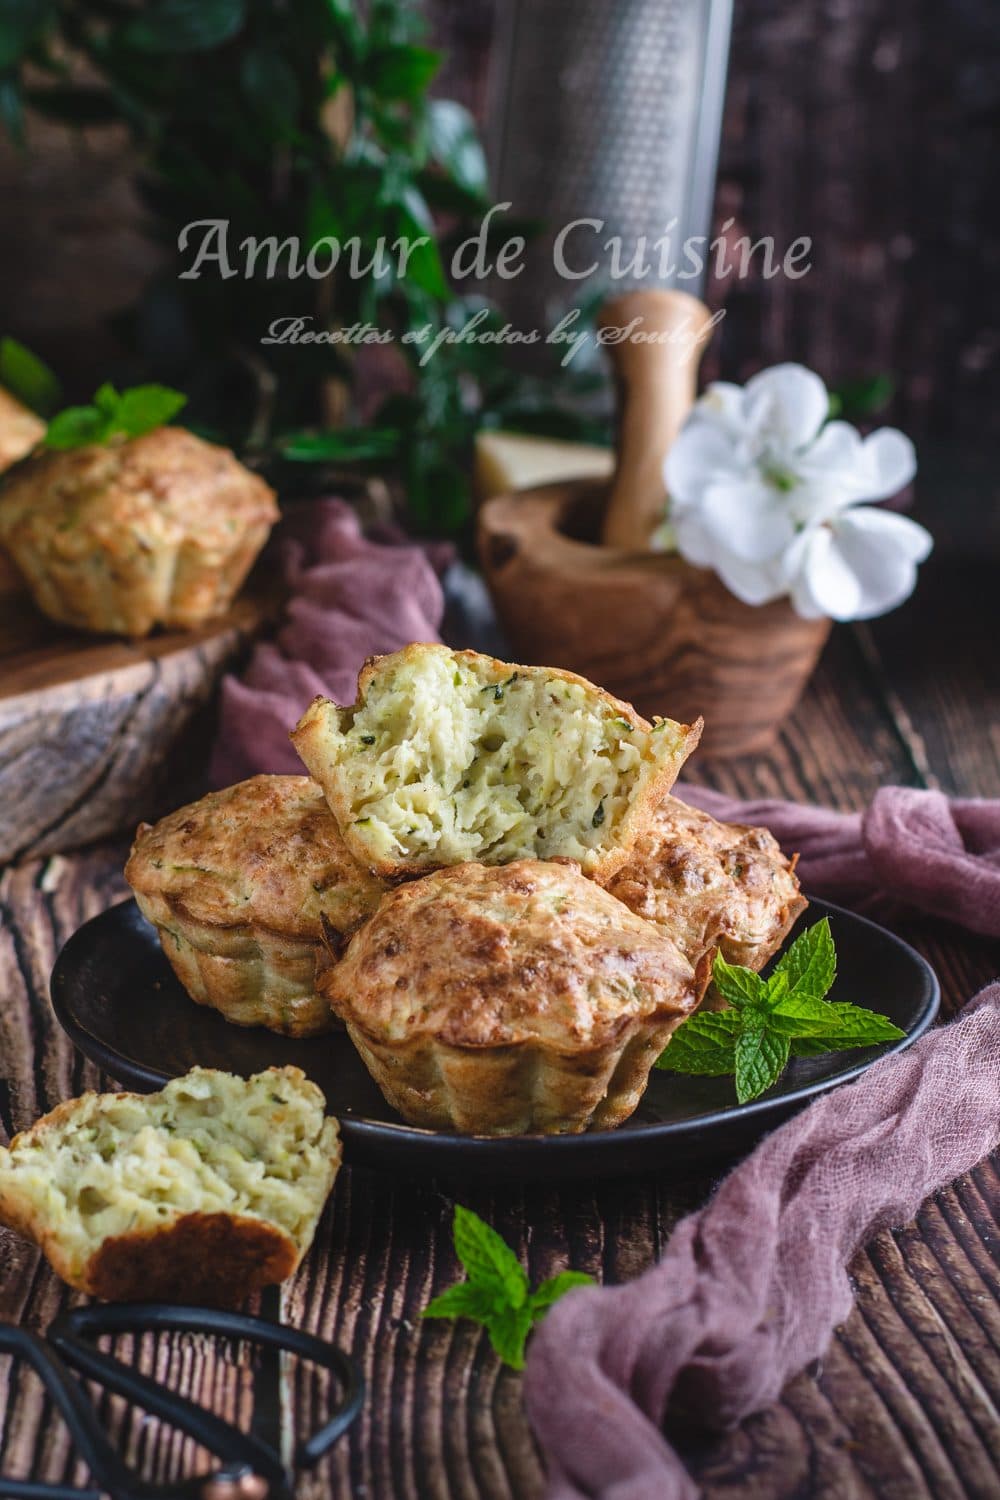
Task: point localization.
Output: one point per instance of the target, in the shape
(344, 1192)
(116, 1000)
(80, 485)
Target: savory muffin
(244, 887)
(155, 530)
(204, 1192)
(510, 999)
(711, 885)
(450, 756)
(20, 429)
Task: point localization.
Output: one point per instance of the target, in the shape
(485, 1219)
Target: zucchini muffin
(245, 889)
(204, 1192)
(155, 530)
(20, 429)
(510, 999)
(711, 885)
(449, 756)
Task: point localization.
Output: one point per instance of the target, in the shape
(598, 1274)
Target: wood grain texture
(78, 718)
(904, 1406)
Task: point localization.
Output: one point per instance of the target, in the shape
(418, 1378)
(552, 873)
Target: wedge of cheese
(507, 461)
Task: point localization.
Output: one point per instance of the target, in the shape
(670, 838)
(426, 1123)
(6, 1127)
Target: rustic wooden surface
(78, 715)
(906, 1403)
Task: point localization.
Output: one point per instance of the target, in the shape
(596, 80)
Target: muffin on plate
(501, 1000)
(204, 1192)
(711, 885)
(154, 530)
(20, 429)
(450, 756)
(245, 888)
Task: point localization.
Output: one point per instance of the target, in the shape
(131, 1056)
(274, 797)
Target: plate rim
(412, 1140)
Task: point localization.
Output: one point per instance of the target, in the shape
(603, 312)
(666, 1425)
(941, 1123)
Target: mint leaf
(850, 1026)
(26, 377)
(489, 1261)
(76, 427)
(738, 985)
(496, 1294)
(508, 1330)
(106, 399)
(703, 1045)
(810, 964)
(761, 1057)
(147, 406)
(550, 1291)
(112, 414)
(463, 1300)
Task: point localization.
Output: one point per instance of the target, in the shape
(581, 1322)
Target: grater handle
(655, 384)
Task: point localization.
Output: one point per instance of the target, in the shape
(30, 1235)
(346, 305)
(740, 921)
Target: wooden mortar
(647, 626)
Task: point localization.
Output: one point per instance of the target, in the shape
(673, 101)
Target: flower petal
(700, 454)
(722, 403)
(837, 451)
(748, 518)
(692, 540)
(889, 461)
(786, 405)
(821, 580)
(753, 583)
(885, 532)
(882, 550)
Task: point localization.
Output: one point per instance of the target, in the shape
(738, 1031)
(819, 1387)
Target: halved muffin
(711, 885)
(20, 429)
(244, 888)
(510, 999)
(155, 530)
(204, 1192)
(450, 756)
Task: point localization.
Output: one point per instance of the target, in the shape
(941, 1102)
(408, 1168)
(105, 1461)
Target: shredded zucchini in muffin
(242, 1167)
(452, 756)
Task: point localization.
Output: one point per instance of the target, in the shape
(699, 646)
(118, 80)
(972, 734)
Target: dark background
(870, 125)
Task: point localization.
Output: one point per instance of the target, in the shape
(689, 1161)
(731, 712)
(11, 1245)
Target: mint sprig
(114, 414)
(496, 1293)
(769, 1020)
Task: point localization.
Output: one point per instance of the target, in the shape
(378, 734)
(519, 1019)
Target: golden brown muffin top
(20, 429)
(483, 956)
(164, 487)
(706, 882)
(264, 851)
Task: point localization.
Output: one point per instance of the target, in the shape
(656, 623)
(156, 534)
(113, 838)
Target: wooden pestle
(656, 384)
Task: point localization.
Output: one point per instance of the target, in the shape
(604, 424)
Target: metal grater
(608, 109)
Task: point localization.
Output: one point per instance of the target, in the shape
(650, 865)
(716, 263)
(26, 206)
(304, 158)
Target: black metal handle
(71, 1331)
(93, 1447)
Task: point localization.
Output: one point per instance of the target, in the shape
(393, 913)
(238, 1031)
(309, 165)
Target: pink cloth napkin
(751, 1286)
(921, 849)
(350, 598)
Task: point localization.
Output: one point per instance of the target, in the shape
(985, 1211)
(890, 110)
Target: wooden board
(96, 732)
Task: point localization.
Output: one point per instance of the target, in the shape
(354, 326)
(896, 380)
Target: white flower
(768, 493)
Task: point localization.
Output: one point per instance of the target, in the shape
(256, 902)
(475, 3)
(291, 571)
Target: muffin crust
(507, 999)
(244, 886)
(711, 885)
(156, 530)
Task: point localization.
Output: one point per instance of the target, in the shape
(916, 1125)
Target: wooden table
(906, 1403)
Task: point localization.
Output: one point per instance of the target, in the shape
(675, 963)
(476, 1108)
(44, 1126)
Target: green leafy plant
(770, 1020)
(496, 1293)
(297, 122)
(114, 414)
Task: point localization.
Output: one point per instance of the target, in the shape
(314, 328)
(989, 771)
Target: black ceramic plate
(117, 997)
